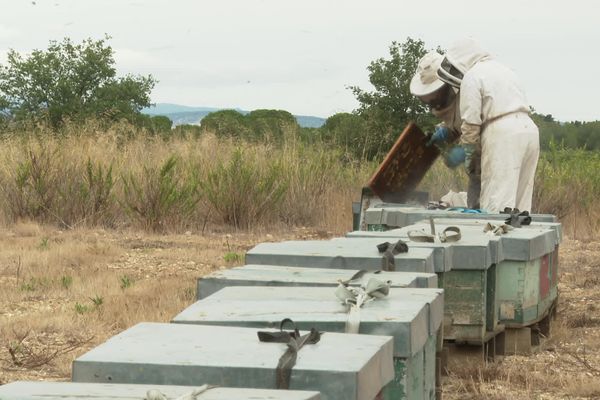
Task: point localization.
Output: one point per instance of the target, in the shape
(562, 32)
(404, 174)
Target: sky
(301, 56)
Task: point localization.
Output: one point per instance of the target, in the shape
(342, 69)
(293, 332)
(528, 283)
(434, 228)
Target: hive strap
(155, 394)
(436, 205)
(497, 229)
(517, 218)
(399, 247)
(356, 297)
(389, 250)
(294, 342)
(448, 235)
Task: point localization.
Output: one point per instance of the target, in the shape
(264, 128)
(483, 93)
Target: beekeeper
(495, 120)
(443, 103)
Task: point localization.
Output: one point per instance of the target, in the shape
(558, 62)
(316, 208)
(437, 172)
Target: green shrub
(125, 282)
(245, 188)
(66, 281)
(159, 194)
(231, 257)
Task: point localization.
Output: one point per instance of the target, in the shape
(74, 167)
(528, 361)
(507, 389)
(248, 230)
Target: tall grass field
(121, 177)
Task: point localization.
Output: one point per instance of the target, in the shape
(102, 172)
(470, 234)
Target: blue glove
(455, 156)
(439, 136)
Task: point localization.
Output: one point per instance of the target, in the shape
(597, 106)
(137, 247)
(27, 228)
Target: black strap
(389, 250)
(516, 218)
(396, 248)
(294, 342)
(436, 205)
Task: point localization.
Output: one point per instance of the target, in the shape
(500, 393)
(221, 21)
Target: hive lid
(468, 254)
(340, 366)
(394, 215)
(518, 244)
(556, 227)
(341, 253)
(273, 275)
(409, 315)
(23, 390)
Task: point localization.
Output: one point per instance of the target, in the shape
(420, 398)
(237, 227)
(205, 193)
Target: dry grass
(114, 181)
(64, 292)
(117, 178)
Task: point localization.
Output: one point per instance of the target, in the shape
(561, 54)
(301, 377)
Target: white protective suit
(451, 119)
(495, 115)
(425, 83)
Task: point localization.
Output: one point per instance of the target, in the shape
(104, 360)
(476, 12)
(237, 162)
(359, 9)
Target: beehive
(273, 275)
(413, 317)
(527, 272)
(467, 272)
(343, 254)
(339, 366)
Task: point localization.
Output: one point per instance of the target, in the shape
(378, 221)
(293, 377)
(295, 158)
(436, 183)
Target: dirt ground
(64, 292)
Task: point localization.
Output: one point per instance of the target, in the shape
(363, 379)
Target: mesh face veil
(449, 73)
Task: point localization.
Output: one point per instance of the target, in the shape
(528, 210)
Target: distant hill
(193, 115)
(168, 108)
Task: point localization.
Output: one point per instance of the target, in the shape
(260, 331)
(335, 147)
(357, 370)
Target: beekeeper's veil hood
(460, 58)
(425, 81)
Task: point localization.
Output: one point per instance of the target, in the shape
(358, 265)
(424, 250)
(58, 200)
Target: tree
(161, 124)
(347, 132)
(272, 124)
(226, 123)
(390, 106)
(71, 82)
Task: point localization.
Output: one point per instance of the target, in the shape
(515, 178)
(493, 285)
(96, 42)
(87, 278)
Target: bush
(243, 189)
(159, 194)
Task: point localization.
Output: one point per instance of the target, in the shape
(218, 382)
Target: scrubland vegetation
(124, 177)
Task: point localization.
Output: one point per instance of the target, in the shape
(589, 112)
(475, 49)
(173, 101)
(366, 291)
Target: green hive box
(23, 390)
(413, 317)
(339, 366)
(342, 254)
(469, 281)
(527, 272)
(274, 275)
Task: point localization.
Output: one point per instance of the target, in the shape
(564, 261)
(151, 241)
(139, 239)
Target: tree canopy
(390, 106)
(70, 81)
(273, 125)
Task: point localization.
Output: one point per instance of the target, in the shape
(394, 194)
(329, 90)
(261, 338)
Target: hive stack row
(471, 291)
